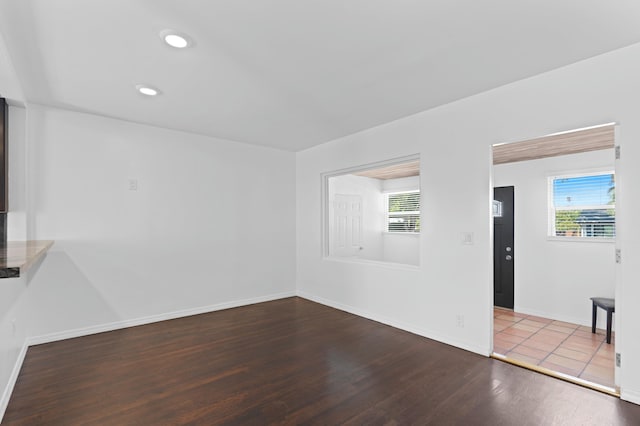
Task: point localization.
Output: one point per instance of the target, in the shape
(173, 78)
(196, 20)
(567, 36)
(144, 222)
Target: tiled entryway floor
(559, 346)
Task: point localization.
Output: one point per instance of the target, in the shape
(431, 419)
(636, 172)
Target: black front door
(503, 246)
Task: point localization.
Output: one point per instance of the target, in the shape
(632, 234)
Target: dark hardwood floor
(289, 361)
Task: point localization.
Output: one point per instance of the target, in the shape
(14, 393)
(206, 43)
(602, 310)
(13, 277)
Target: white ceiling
(295, 73)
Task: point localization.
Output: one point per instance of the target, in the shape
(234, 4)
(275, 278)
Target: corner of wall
(13, 378)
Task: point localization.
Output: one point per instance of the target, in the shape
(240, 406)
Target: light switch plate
(133, 184)
(467, 238)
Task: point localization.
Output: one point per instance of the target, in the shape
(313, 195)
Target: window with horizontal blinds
(403, 212)
(583, 205)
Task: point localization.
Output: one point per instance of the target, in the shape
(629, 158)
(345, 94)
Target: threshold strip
(567, 378)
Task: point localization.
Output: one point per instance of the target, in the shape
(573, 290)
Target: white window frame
(551, 209)
(411, 213)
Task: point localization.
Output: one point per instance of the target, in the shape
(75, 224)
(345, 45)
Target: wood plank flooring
(289, 361)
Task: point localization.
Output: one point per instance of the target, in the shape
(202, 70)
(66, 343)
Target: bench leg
(594, 317)
(609, 318)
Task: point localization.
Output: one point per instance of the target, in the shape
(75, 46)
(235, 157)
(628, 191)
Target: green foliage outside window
(404, 212)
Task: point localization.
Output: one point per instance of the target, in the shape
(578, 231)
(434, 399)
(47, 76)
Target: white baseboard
(430, 334)
(101, 328)
(630, 396)
(6, 394)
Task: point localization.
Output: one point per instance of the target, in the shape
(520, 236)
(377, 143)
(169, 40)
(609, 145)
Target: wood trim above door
(592, 139)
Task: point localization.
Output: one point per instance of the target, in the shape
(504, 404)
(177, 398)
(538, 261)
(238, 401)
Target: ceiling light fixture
(147, 90)
(176, 39)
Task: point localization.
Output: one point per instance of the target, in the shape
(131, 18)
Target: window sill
(582, 240)
(360, 261)
(414, 234)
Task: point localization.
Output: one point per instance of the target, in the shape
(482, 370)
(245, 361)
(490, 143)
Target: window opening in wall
(373, 212)
(583, 205)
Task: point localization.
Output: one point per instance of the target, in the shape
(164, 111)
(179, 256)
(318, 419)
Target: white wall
(12, 342)
(401, 248)
(555, 279)
(210, 224)
(17, 168)
(411, 183)
(454, 142)
(372, 211)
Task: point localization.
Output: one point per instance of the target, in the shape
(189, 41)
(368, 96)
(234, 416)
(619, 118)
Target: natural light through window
(583, 206)
(403, 211)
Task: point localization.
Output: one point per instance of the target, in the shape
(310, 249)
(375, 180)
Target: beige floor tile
(602, 362)
(536, 343)
(559, 346)
(517, 332)
(565, 324)
(499, 349)
(560, 368)
(572, 354)
(499, 324)
(532, 323)
(584, 342)
(520, 357)
(589, 335)
(539, 319)
(560, 329)
(521, 326)
(499, 342)
(506, 317)
(599, 374)
(606, 351)
(587, 349)
(536, 353)
(510, 337)
(566, 362)
(552, 335)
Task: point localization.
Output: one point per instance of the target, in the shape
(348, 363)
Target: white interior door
(347, 225)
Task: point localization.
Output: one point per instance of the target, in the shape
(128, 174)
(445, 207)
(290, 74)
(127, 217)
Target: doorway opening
(554, 243)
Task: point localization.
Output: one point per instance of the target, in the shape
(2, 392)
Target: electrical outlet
(460, 320)
(13, 326)
(618, 359)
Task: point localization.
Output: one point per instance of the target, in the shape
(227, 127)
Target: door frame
(618, 281)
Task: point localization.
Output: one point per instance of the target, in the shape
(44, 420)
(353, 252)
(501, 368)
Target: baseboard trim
(429, 334)
(13, 378)
(102, 328)
(630, 396)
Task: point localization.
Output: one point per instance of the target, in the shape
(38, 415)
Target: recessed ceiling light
(147, 90)
(176, 39)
